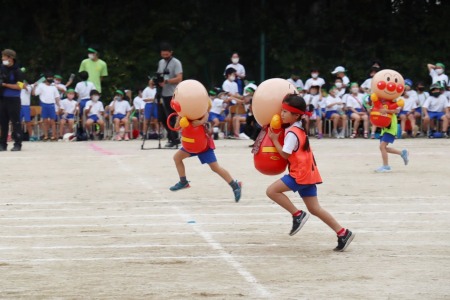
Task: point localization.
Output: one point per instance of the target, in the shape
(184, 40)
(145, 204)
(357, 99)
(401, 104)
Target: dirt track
(97, 220)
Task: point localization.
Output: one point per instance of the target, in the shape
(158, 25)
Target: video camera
(158, 78)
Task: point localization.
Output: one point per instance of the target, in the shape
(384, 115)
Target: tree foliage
(54, 35)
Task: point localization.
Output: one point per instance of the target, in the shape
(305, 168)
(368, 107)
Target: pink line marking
(100, 149)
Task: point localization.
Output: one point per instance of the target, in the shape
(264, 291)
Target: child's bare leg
(384, 153)
(276, 192)
(62, 124)
(221, 171)
(313, 206)
(178, 159)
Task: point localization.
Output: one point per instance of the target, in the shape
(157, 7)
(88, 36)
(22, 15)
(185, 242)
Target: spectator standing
(295, 79)
(12, 80)
(96, 68)
(314, 80)
(240, 72)
(172, 71)
(339, 72)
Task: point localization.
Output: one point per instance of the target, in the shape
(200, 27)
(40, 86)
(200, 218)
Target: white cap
(338, 69)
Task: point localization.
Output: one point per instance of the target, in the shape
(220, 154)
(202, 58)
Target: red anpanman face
(388, 84)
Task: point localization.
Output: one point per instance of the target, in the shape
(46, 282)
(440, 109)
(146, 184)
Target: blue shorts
(304, 190)
(68, 117)
(329, 113)
(83, 104)
(206, 157)
(48, 111)
(25, 113)
(119, 116)
(435, 115)
(93, 118)
(151, 111)
(213, 116)
(387, 138)
(350, 112)
(419, 110)
(403, 112)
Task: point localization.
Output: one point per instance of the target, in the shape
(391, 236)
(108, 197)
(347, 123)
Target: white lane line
(230, 259)
(262, 291)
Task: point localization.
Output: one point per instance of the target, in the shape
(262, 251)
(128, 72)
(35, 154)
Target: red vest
(302, 165)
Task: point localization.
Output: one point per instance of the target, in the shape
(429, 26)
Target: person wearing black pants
(164, 111)
(12, 78)
(170, 74)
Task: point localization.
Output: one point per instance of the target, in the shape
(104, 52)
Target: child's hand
(273, 135)
(196, 123)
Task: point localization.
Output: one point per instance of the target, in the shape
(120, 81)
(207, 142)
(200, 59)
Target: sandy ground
(97, 220)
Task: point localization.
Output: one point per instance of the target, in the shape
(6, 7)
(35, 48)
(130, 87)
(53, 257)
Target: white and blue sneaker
(405, 156)
(383, 169)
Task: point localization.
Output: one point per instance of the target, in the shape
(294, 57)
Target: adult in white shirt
(356, 111)
(315, 80)
(240, 71)
(437, 74)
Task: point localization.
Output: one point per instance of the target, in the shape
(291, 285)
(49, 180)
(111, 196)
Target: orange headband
(294, 110)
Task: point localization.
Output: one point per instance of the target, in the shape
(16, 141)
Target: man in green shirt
(95, 67)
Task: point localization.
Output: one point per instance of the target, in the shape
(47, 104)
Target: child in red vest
(303, 173)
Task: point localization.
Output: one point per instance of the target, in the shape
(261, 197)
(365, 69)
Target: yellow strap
(187, 140)
(269, 149)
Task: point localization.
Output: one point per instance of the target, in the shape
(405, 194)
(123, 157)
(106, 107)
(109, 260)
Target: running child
(206, 157)
(388, 137)
(303, 173)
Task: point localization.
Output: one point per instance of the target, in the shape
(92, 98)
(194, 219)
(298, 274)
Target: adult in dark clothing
(11, 78)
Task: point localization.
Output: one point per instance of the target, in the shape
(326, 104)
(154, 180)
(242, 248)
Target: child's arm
(274, 137)
(201, 121)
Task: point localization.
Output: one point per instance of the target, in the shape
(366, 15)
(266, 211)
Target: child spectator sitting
(335, 113)
(216, 113)
(314, 100)
(435, 108)
(356, 110)
(69, 108)
(409, 108)
(94, 111)
(120, 109)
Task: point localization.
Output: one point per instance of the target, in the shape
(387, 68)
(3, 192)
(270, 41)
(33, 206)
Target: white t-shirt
(217, 106)
(314, 81)
(120, 107)
(83, 89)
(291, 140)
(25, 95)
(138, 103)
(330, 99)
(47, 93)
(297, 84)
(230, 86)
(240, 70)
(367, 85)
(68, 106)
(441, 79)
(355, 101)
(421, 98)
(436, 104)
(410, 103)
(96, 107)
(148, 94)
(61, 88)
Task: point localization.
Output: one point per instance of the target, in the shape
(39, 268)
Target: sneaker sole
(240, 186)
(186, 187)
(301, 225)
(350, 239)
